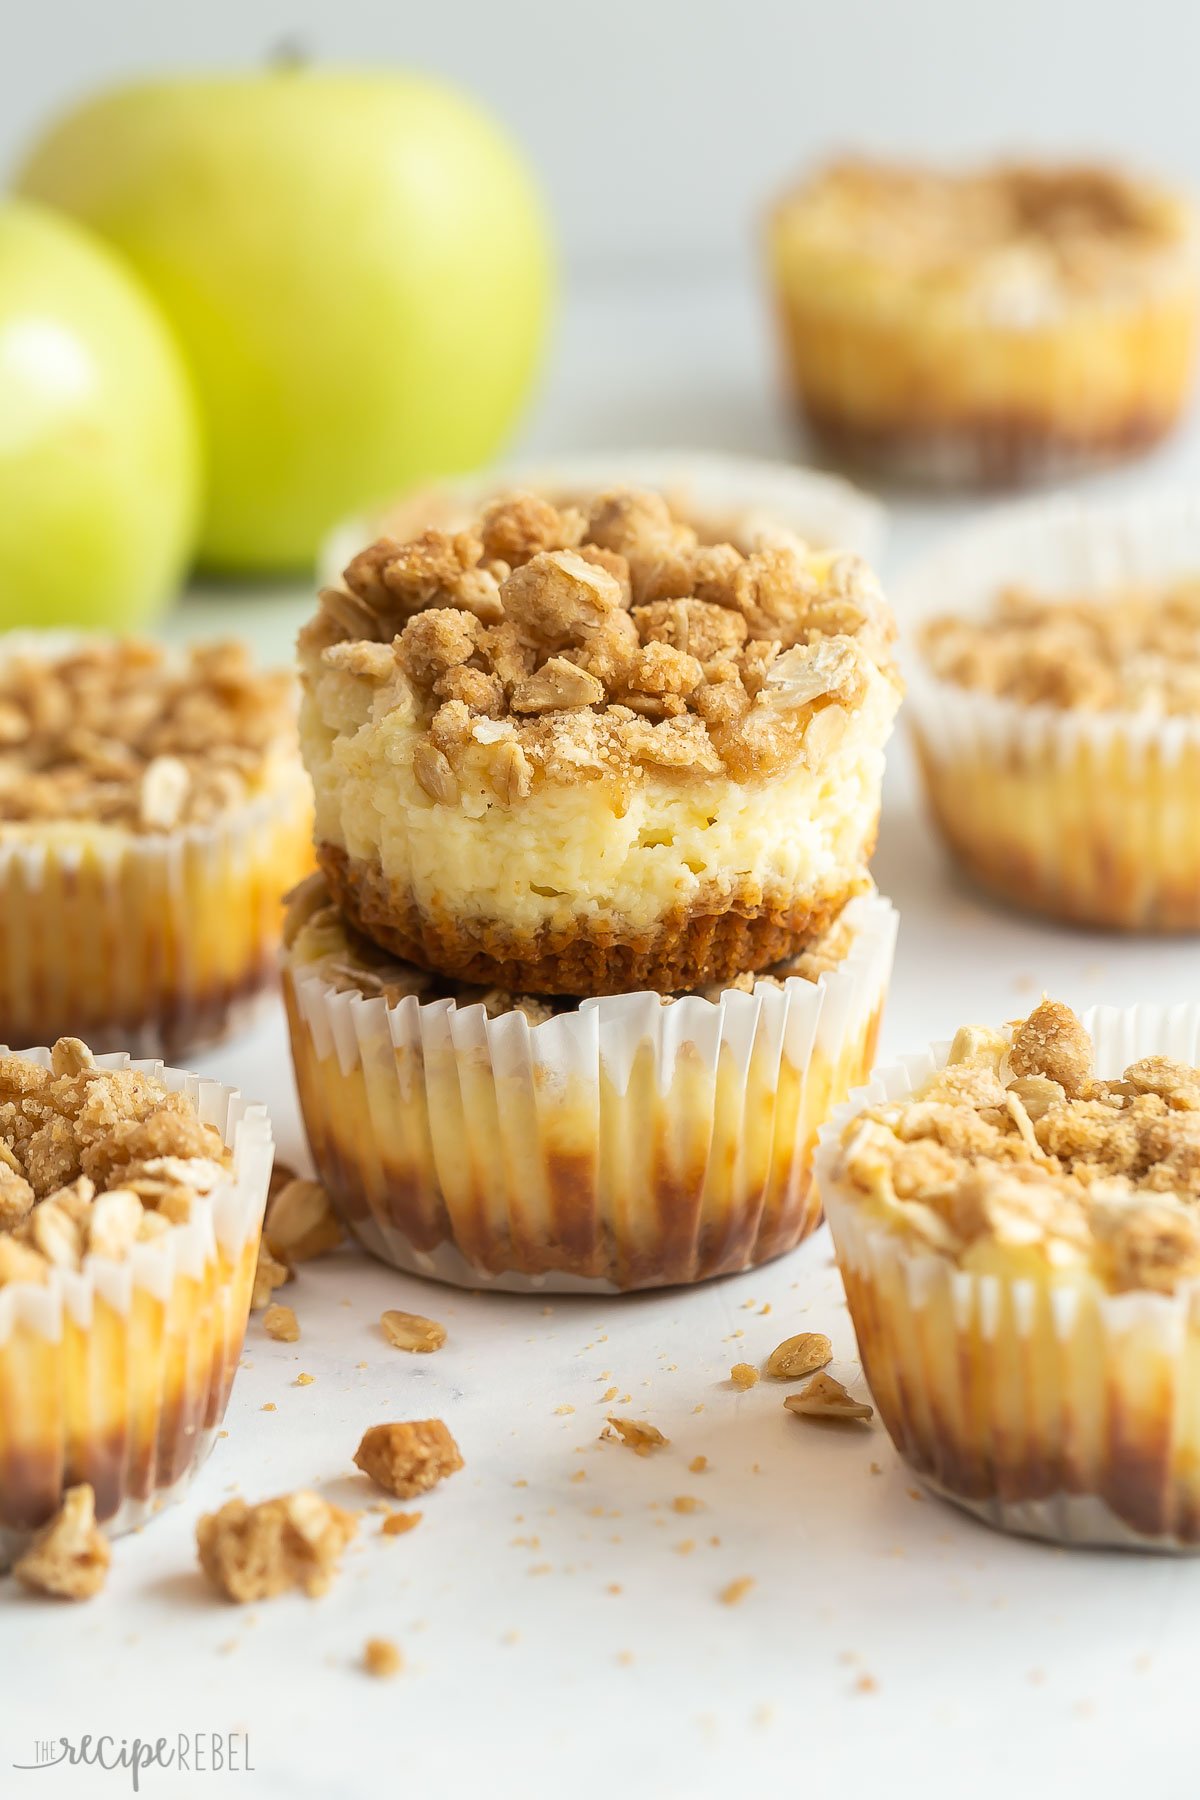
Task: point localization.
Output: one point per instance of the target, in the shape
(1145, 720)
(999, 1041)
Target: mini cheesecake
(153, 811)
(581, 752)
(997, 325)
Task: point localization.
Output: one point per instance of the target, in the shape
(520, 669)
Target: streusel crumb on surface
(408, 1457)
(255, 1552)
(125, 733)
(1132, 651)
(1017, 1153)
(94, 1161)
(69, 1557)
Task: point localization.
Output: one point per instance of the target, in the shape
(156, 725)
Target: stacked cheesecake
(594, 948)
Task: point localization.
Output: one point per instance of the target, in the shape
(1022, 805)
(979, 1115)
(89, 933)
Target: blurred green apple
(99, 458)
(356, 266)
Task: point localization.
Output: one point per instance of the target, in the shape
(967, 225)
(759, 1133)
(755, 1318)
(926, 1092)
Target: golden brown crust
(990, 448)
(689, 950)
(320, 941)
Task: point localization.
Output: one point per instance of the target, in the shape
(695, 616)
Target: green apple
(99, 447)
(356, 266)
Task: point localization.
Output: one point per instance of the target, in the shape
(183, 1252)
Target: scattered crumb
(280, 1322)
(686, 1503)
(876, 1468)
(520, 1482)
(614, 1587)
(625, 1658)
(409, 1331)
(825, 1398)
(69, 1556)
(639, 1436)
(743, 1375)
(579, 1475)
(764, 1309)
(563, 1410)
(698, 1465)
(304, 1381)
(685, 1546)
(222, 1433)
(398, 1523)
(800, 1355)
(735, 1591)
(254, 1552)
(382, 1658)
(866, 1684)
(699, 1406)
(301, 1223)
(408, 1457)
(268, 1406)
(608, 1394)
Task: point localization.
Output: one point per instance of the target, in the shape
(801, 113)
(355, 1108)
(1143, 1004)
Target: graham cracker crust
(687, 950)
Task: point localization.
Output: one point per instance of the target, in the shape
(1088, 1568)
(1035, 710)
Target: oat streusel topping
(1012, 230)
(125, 733)
(578, 642)
(1016, 1147)
(1134, 651)
(93, 1161)
(324, 944)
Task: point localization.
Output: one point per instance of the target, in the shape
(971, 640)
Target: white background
(994, 1668)
(662, 127)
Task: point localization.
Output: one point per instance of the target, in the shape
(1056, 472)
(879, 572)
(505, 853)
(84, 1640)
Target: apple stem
(289, 52)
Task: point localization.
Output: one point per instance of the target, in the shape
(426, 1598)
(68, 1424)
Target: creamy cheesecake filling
(598, 850)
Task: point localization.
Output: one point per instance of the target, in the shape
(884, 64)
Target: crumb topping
(412, 1332)
(255, 1552)
(325, 944)
(800, 1355)
(1134, 651)
(125, 733)
(1014, 230)
(1016, 1144)
(636, 1434)
(69, 1556)
(408, 1457)
(94, 1161)
(382, 1658)
(566, 644)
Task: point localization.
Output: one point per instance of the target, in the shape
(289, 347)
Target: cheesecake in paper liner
(118, 1374)
(1089, 816)
(985, 327)
(618, 1143)
(1043, 1400)
(131, 914)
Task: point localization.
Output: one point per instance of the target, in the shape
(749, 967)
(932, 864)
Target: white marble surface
(559, 1639)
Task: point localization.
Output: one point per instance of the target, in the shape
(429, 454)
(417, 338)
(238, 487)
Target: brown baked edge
(688, 949)
(985, 450)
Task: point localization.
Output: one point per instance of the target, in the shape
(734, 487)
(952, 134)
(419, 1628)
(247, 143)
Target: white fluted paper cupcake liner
(1051, 1408)
(624, 1144)
(1091, 817)
(118, 1374)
